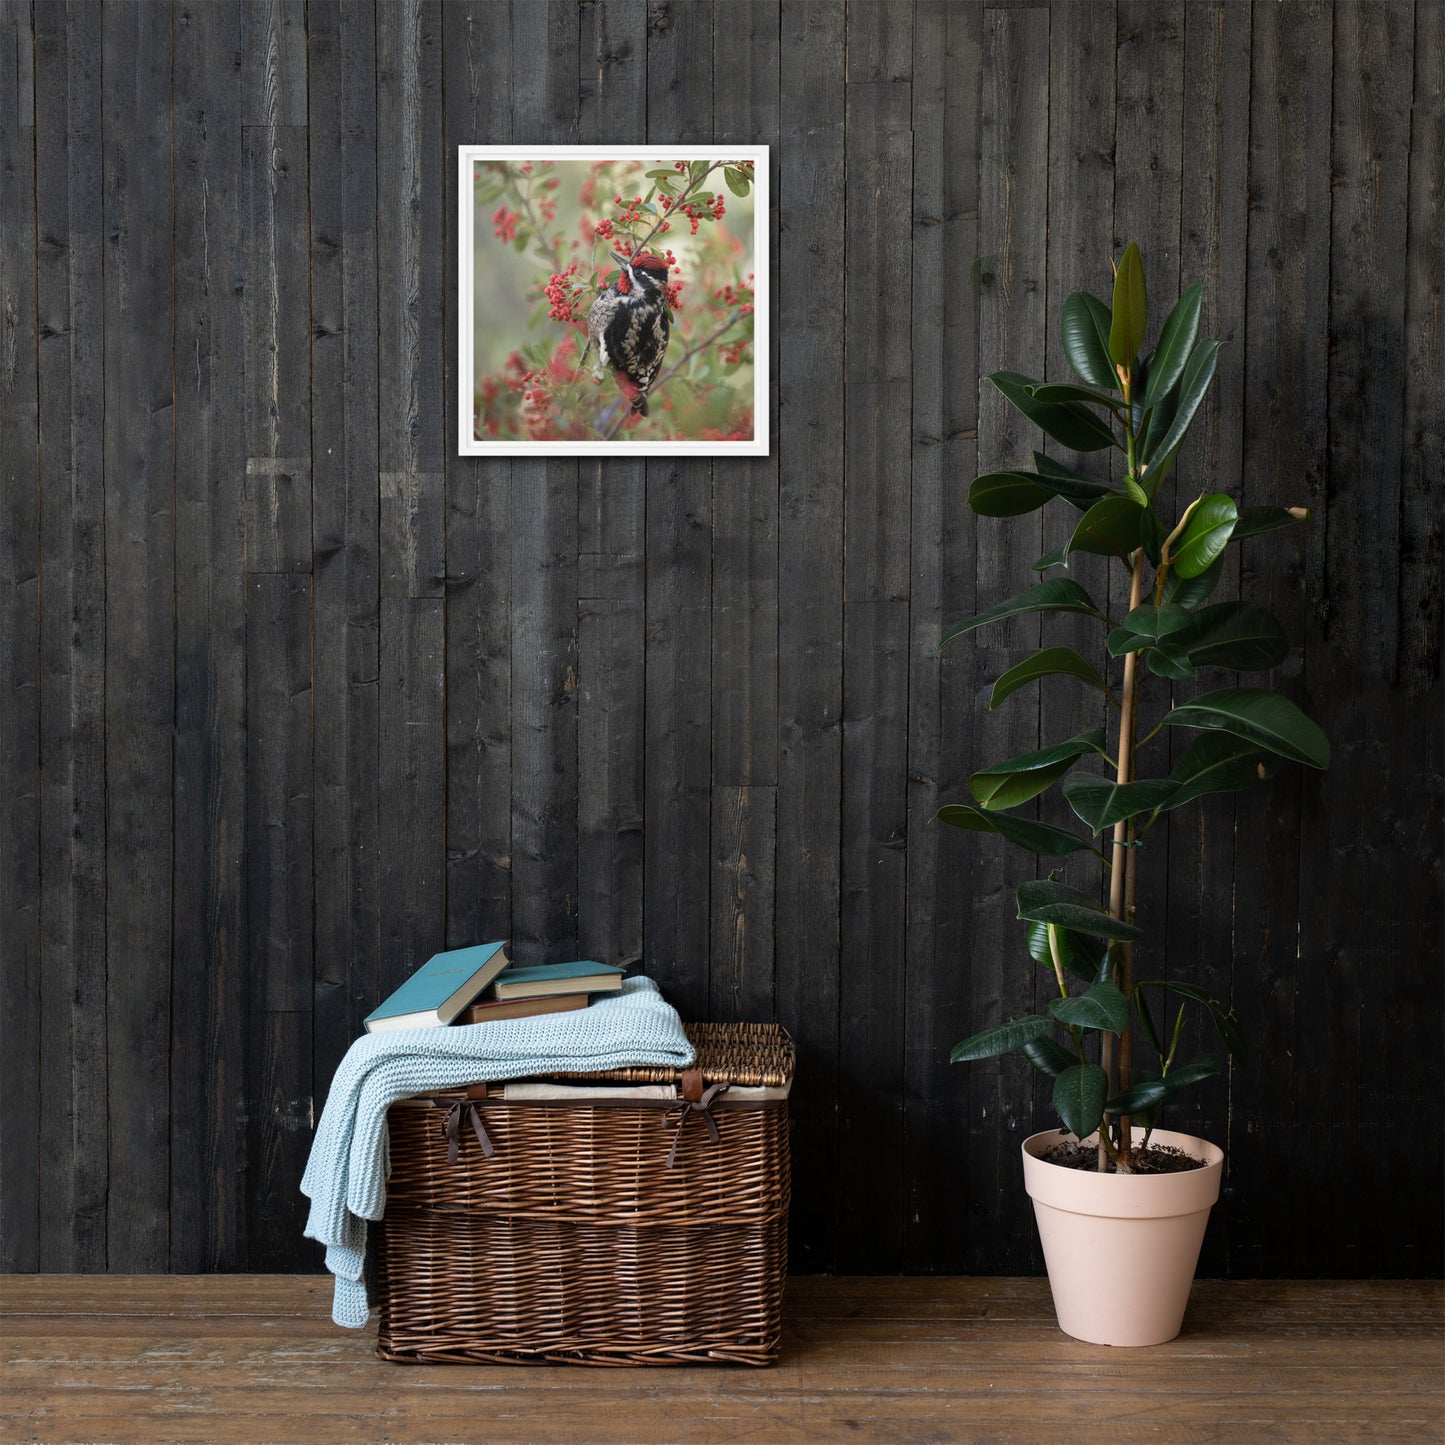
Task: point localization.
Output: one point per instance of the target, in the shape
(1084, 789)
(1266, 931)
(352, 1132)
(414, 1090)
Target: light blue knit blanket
(346, 1175)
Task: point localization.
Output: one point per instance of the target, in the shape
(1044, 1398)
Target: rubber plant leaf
(1191, 591)
(1206, 534)
(1255, 521)
(1198, 373)
(1176, 341)
(1110, 528)
(1042, 900)
(1242, 636)
(1060, 594)
(1079, 1095)
(1048, 1057)
(1079, 954)
(1001, 1039)
(1041, 838)
(1015, 781)
(1206, 1066)
(1131, 309)
(1051, 662)
(1067, 391)
(1072, 426)
(1084, 330)
(1012, 494)
(1141, 1096)
(1100, 803)
(1215, 763)
(1103, 1007)
(1258, 716)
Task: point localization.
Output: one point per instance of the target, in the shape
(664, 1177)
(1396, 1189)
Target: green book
(440, 989)
(548, 978)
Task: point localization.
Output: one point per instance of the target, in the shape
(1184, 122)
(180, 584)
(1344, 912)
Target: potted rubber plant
(1121, 1204)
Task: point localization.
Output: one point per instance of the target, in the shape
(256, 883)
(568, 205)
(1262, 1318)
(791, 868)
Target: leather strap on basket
(680, 1113)
(453, 1129)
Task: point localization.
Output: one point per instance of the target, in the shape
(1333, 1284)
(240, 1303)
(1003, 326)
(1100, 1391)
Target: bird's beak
(621, 260)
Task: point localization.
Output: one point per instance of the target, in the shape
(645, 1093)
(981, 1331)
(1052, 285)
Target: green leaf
(1101, 804)
(1001, 1039)
(737, 182)
(1051, 662)
(1151, 623)
(1258, 716)
(1255, 521)
(1059, 557)
(1134, 1100)
(1206, 1066)
(1103, 1007)
(1176, 341)
(1079, 1098)
(1198, 373)
(1206, 534)
(1146, 1021)
(1058, 595)
(1131, 309)
(696, 170)
(1239, 635)
(1135, 492)
(1068, 391)
(1214, 763)
(1041, 900)
(1168, 659)
(1225, 1022)
(1110, 528)
(1151, 531)
(1041, 838)
(1085, 333)
(1048, 1057)
(1191, 591)
(1012, 494)
(1007, 784)
(1072, 426)
(1078, 954)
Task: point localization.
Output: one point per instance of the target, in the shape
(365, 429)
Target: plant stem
(1121, 870)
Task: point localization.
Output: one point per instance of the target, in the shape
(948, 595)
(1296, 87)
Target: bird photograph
(614, 299)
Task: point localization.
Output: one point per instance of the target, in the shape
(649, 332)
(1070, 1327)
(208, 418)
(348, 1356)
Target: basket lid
(749, 1055)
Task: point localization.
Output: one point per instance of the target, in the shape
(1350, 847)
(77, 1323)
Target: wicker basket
(627, 1232)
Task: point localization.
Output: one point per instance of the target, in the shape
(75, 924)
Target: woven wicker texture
(757, 1055)
(576, 1242)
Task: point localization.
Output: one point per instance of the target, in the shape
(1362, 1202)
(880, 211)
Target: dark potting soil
(1156, 1159)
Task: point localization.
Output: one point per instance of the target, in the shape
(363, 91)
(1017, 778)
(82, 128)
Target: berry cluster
(504, 224)
(740, 296)
(562, 293)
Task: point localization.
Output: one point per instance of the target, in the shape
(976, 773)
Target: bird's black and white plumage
(629, 326)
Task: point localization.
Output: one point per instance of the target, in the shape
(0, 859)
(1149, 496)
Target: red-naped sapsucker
(629, 326)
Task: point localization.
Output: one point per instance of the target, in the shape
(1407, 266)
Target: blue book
(440, 989)
(550, 978)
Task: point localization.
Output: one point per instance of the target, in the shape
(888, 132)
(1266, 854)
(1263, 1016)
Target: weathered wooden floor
(159, 1360)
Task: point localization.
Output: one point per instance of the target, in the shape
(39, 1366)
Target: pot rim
(1135, 1196)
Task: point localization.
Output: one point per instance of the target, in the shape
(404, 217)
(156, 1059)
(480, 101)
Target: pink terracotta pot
(1121, 1248)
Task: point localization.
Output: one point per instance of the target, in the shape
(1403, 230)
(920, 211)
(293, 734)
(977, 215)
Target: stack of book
(477, 985)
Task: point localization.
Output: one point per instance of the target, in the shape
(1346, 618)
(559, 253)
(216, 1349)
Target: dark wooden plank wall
(293, 696)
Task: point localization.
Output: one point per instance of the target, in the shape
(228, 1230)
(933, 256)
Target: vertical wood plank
(611, 546)
(68, 271)
(947, 70)
(744, 602)
(209, 991)
(877, 342)
(477, 52)
(809, 443)
(678, 742)
(279, 911)
(410, 299)
(1286, 361)
(342, 85)
(1422, 604)
(1012, 327)
(412, 794)
(1350, 664)
(545, 784)
(139, 627)
(19, 647)
(1212, 251)
(278, 346)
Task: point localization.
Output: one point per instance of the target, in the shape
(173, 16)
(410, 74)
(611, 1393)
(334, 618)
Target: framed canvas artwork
(613, 300)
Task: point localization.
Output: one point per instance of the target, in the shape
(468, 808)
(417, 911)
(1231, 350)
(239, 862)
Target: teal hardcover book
(440, 989)
(584, 976)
